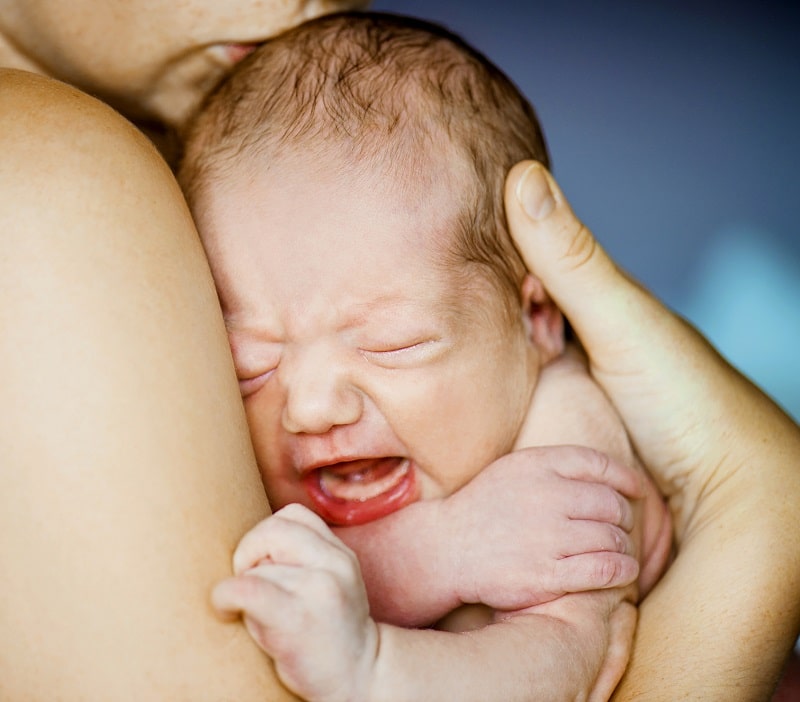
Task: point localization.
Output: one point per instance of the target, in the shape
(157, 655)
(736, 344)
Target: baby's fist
(300, 591)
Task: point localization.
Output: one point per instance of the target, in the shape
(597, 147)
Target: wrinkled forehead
(398, 218)
(419, 175)
(317, 242)
(393, 192)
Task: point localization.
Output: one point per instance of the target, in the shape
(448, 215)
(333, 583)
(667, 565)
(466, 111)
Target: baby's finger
(284, 540)
(270, 600)
(586, 464)
(287, 597)
(300, 514)
(598, 503)
(595, 571)
(594, 537)
(257, 596)
(271, 591)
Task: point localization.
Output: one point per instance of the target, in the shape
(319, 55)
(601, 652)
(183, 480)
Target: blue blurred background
(673, 128)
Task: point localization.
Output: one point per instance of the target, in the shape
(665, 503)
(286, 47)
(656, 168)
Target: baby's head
(347, 182)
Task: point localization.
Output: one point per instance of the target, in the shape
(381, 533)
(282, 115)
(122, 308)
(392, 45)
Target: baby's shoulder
(569, 407)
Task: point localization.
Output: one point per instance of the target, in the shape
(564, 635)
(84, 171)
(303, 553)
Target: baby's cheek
(431, 488)
(257, 428)
(263, 439)
(449, 426)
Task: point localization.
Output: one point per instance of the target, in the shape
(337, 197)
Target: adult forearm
(718, 625)
(721, 622)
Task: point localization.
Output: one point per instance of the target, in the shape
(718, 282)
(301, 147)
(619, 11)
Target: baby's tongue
(364, 479)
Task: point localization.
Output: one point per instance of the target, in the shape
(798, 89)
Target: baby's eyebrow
(397, 302)
(364, 312)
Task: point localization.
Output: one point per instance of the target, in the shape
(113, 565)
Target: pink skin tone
(304, 601)
(344, 355)
(357, 356)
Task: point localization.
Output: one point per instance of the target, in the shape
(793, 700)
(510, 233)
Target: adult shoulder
(53, 129)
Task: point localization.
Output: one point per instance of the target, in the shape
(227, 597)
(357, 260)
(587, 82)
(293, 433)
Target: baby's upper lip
(303, 454)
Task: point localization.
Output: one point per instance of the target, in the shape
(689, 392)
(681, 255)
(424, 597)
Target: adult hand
(720, 623)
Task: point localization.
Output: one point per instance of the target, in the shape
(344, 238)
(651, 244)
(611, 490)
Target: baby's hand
(300, 591)
(539, 523)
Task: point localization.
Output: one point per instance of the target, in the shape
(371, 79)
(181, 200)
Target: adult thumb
(668, 385)
(612, 315)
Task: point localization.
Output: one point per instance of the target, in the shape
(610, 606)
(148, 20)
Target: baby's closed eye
(402, 354)
(249, 385)
(254, 361)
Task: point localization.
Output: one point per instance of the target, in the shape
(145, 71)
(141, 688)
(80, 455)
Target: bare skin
(105, 299)
(294, 277)
(333, 652)
(127, 473)
(691, 642)
(153, 61)
(722, 621)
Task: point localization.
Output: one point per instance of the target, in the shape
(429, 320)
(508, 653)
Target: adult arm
(126, 472)
(721, 622)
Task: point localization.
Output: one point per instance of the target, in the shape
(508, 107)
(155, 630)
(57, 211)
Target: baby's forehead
(405, 177)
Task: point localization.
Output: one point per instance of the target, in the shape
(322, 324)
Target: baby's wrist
(364, 682)
(389, 678)
(455, 544)
(448, 566)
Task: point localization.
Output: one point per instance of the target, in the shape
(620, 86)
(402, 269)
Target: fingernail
(534, 193)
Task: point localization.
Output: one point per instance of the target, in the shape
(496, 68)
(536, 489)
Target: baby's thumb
(610, 313)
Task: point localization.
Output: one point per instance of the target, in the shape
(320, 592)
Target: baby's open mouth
(359, 491)
(364, 479)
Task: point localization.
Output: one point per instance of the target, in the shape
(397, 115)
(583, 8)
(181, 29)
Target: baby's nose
(319, 396)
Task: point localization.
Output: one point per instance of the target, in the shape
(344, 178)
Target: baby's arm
(569, 407)
(304, 602)
(531, 527)
(480, 544)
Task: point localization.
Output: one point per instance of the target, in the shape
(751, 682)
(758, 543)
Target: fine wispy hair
(378, 89)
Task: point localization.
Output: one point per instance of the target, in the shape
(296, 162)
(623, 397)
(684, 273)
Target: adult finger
(597, 298)
(622, 624)
(673, 391)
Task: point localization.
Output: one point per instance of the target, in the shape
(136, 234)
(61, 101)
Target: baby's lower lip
(357, 492)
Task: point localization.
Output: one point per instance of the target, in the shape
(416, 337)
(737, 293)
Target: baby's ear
(543, 320)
